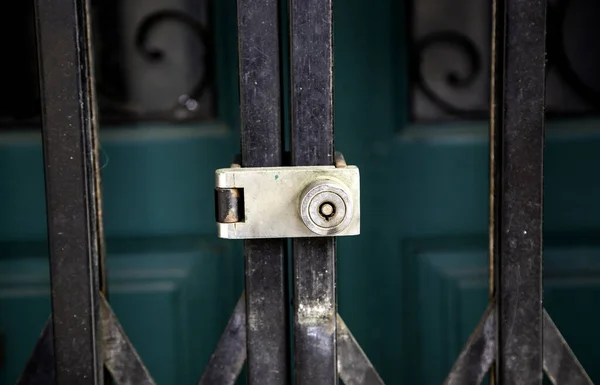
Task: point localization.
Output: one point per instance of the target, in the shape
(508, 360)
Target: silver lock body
(291, 202)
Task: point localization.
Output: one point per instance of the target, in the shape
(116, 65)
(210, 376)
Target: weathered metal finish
(520, 135)
(314, 269)
(66, 85)
(497, 68)
(260, 82)
(229, 205)
(120, 357)
(315, 311)
(328, 206)
(228, 358)
(560, 364)
(227, 361)
(354, 366)
(39, 369)
(277, 202)
(479, 353)
(262, 146)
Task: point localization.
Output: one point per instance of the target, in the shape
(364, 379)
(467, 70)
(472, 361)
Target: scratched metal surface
(68, 136)
(479, 353)
(560, 364)
(120, 357)
(262, 146)
(519, 265)
(314, 267)
(354, 366)
(227, 361)
(39, 369)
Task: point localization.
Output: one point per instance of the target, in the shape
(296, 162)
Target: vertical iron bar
(520, 136)
(262, 146)
(496, 79)
(72, 210)
(315, 302)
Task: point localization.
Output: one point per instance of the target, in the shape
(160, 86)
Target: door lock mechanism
(288, 202)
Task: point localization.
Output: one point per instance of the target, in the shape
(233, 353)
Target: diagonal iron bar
(227, 361)
(354, 367)
(479, 353)
(560, 364)
(120, 357)
(39, 369)
(224, 367)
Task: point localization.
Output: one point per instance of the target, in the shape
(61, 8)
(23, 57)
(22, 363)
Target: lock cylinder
(326, 207)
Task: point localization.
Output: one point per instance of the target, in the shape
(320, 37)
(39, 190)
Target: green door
(412, 286)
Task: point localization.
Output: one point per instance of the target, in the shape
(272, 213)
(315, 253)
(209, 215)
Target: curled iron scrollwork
(188, 102)
(453, 78)
(559, 60)
(558, 57)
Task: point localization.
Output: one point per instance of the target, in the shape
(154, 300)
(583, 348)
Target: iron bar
(262, 146)
(496, 75)
(315, 302)
(560, 364)
(519, 131)
(227, 361)
(68, 119)
(479, 353)
(39, 369)
(120, 357)
(353, 364)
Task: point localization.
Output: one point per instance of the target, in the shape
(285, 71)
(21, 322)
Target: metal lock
(288, 202)
(326, 207)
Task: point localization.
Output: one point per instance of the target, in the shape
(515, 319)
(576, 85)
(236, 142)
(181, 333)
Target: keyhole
(327, 210)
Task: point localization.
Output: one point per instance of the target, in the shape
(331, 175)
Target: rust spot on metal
(232, 216)
(229, 205)
(339, 160)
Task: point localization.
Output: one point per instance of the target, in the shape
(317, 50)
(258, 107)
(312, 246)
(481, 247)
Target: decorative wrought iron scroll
(118, 53)
(195, 102)
(567, 92)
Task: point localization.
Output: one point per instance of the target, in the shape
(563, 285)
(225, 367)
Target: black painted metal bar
(479, 353)
(39, 369)
(560, 364)
(520, 85)
(315, 302)
(120, 357)
(353, 364)
(69, 157)
(262, 146)
(227, 361)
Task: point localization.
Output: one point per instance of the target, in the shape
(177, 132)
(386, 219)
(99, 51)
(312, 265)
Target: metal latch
(288, 202)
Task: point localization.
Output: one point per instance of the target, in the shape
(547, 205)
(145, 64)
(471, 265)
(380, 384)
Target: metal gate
(83, 342)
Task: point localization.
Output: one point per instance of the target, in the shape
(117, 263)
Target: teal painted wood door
(411, 287)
